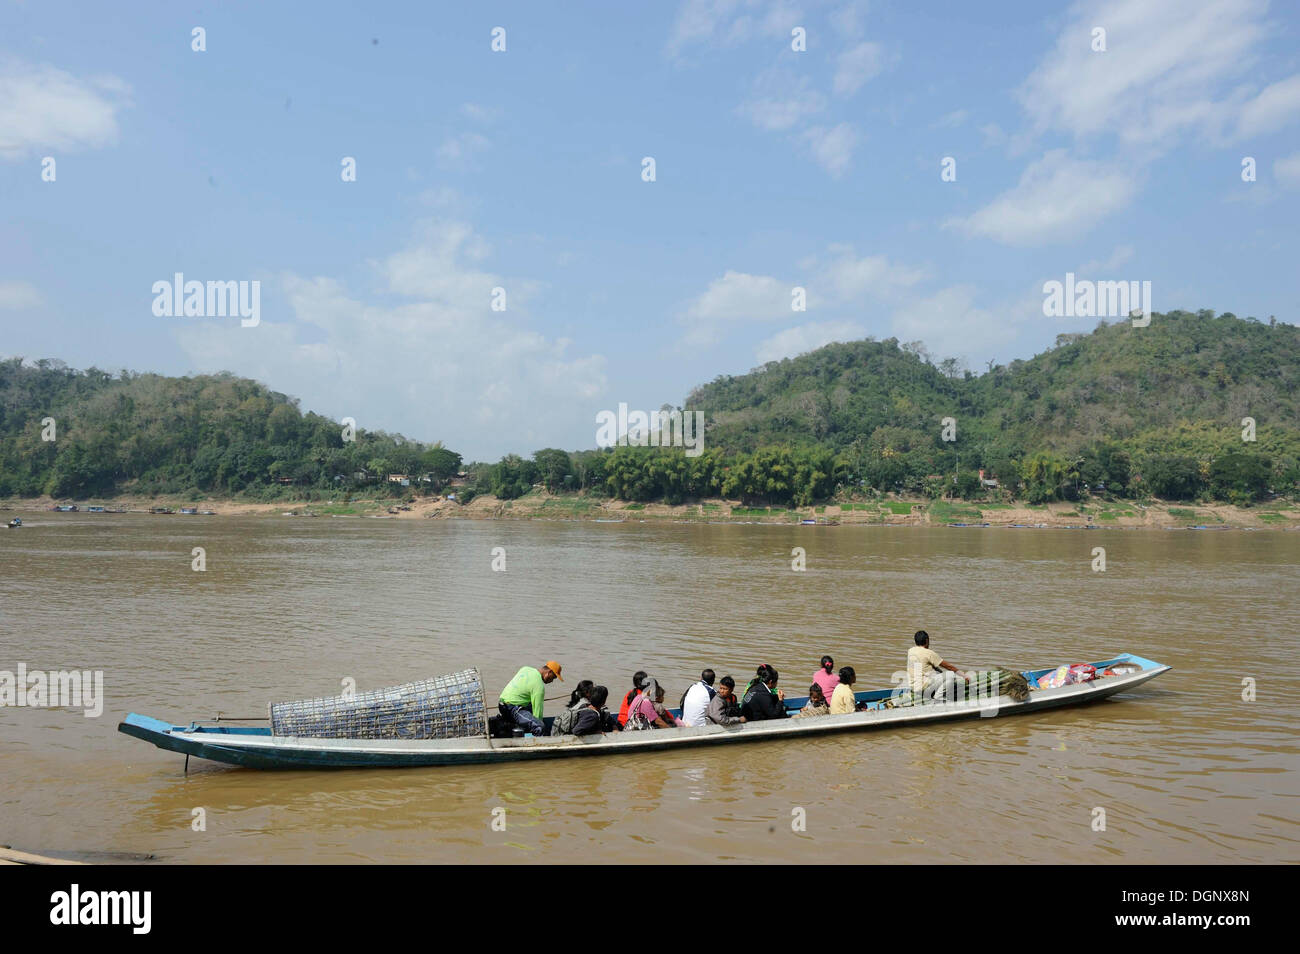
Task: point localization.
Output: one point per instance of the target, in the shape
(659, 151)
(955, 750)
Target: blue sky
(522, 169)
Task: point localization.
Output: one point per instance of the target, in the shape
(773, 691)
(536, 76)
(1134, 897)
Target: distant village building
(987, 481)
(403, 479)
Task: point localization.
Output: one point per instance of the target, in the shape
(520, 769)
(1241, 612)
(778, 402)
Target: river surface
(1183, 768)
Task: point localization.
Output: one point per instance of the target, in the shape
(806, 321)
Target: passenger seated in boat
(522, 698)
(637, 679)
(659, 692)
(647, 709)
(762, 699)
(843, 700)
(563, 724)
(816, 704)
(826, 678)
(696, 699)
(723, 707)
(925, 671)
(592, 716)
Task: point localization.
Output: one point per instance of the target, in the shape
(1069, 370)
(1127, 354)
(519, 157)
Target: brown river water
(1184, 769)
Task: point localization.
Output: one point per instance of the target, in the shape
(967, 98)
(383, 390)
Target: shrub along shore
(879, 511)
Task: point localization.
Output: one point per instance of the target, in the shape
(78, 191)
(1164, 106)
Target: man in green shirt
(522, 698)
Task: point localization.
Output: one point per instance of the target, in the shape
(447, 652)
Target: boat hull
(258, 748)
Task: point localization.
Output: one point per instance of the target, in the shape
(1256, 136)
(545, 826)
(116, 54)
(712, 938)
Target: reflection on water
(1184, 769)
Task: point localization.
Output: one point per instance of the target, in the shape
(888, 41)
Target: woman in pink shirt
(826, 677)
(647, 709)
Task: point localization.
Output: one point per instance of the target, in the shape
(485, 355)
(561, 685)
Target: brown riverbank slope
(539, 505)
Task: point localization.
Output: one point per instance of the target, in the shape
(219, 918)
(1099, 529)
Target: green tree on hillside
(553, 466)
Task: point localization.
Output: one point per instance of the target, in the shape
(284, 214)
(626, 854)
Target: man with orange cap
(522, 698)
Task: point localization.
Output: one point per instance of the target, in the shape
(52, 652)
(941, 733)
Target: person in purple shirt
(826, 677)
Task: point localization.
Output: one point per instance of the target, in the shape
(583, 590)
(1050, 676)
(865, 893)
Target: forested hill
(1182, 384)
(1123, 411)
(153, 434)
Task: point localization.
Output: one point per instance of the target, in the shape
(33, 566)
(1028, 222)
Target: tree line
(212, 434)
(893, 460)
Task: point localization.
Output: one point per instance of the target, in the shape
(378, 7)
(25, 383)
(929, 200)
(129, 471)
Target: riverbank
(890, 511)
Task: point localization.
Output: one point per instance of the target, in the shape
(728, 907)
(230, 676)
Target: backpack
(564, 722)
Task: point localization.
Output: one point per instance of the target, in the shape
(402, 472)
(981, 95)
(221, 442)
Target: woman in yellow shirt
(842, 699)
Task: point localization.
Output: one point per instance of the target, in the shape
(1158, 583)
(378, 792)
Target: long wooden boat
(257, 747)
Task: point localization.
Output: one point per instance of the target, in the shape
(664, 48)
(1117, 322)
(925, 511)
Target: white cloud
(442, 198)
(951, 325)
(805, 338)
(839, 280)
(699, 21)
(993, 134)
(728, 23)
(43, 108)
(831, 147)
(1121, 255)
(855, 66)
(1057, 198)
(1173, 72)
(773, 18)
(783, 99)
(736, 297)
(438, 364)
(952, 120)
(848, 279)
(480, 113)
(437, 266)
(780, 100)
(1287, 171)
(1170, 67)
(17, 296)
(460, 149)
(847, 20)
(1273, 108)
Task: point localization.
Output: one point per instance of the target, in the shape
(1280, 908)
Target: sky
(503, 266)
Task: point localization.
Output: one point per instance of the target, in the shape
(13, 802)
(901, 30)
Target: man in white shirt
(695, 704)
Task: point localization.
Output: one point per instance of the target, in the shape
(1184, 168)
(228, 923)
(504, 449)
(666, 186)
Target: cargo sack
(991, 683)
(1055, 679)
(1082, 672)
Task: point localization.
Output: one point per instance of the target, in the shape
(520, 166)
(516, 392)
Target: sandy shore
(1275, 515)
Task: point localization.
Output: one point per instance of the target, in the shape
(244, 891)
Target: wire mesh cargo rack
(446, 707)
